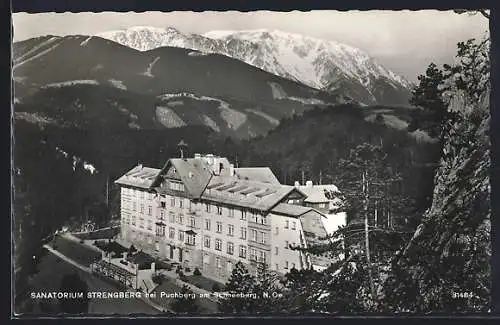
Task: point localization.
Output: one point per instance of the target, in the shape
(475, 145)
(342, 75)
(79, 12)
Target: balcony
(259, 245)
(256, 225)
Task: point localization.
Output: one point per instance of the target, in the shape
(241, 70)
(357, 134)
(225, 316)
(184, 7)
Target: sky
(402, 41)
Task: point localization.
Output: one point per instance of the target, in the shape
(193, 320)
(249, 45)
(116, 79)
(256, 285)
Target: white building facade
(202, 212)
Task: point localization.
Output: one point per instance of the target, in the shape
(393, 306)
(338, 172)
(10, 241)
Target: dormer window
(176, 186)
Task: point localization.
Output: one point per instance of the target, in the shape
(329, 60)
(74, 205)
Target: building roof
(259, 174)
(319, 193)
(194, 173)
(139, 176)
(291, 209)
(246, 193)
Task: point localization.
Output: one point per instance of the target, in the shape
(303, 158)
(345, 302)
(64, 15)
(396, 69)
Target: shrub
(179, 269)
(181, 274)
(187, 269)
(158, 278)
(215, 287)
(183, 277)
(196, 272)
(82, 241)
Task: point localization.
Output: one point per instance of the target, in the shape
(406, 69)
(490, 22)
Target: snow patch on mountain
(233, 118)
(148, 73)
(277, 90)
(168, 117)
(210, 123)
(118, 84)
(71, 83)
(20, 62)
(35, 118)
(269, 118)
(198, 53)
(86, 41)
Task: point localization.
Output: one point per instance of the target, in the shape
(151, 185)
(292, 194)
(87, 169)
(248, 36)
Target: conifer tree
(240, 282)
(185, 304)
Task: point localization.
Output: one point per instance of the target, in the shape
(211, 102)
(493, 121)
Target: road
(48, 279)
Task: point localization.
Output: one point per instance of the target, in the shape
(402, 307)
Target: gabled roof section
(319, 193)
(195, 174)
(230, 190)
(139, 176)
(259, 174)
(291, 210)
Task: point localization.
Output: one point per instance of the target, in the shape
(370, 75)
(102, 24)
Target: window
(218, 262)
(157, 246)
(219, 226)
(181, 235)
(142, 208)
(231, 213)
(262, 257)
(150, 211)
(276, 251)
(218, 244)
(253, 254)
(207, 224)
(286, 265)
(192, 222)
(293, 225)
(219, 210)
(207, 241)
(277, 230)
(208, 207)
(262, 237)
(243, 215)
(180, 219)
(163, 205)
(206, 259)
(133, 220)
(141, 224)
(230, 230)
(172, 217)
(172, 202)
(243, 251)
(243, 233)
(134, 206)
(263, 220)
(286, 244)
(180, 203)
(171, 233)
(176, 186)
(191, 240)
(160, 230)
(150, 225)
(286, 224)
(162, 214)
(230, 248)
(253, 234)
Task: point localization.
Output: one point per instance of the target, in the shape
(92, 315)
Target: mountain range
(74, 80)
(321, 64)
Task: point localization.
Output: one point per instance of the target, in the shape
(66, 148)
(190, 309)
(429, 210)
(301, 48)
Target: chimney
(296, 184)
(197, 156)
(309, 184)
(140, 166)
(217, 166)
(153, 266)
(231, 169)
